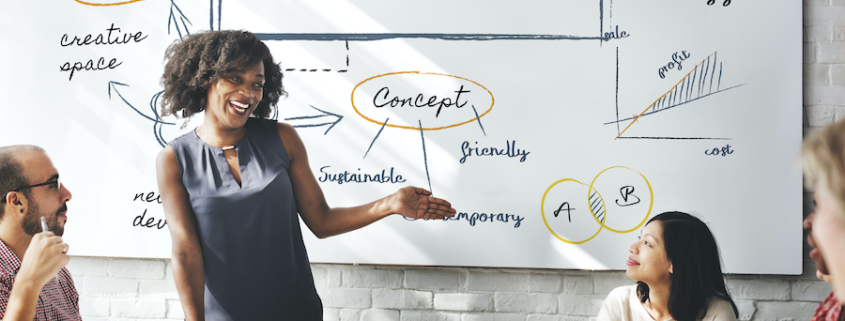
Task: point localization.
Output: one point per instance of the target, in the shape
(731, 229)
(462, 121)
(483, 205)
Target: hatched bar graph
(704, 80)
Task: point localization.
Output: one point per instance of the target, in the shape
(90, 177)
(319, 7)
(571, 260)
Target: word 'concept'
(382, 98)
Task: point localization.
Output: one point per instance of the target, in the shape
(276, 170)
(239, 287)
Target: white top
(622, 304)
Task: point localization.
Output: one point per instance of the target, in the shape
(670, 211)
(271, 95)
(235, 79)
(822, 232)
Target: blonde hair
(823, 158)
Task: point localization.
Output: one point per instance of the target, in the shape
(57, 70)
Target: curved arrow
(325, 114)
(113, 84)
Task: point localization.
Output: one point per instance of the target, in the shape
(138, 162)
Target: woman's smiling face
(234, 96)
(648, 261)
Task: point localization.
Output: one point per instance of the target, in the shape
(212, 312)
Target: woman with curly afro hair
(232, 187)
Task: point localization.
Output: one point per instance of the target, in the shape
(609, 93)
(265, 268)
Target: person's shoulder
(182, 138)
(266, 126)
(262, 123)
(67, 278)
(618, 305)
(720, 303)
(621, 295)
(282, 127)
(286, 132)
(9, 267)
(625, 292)
(719, 309)
(166, 157)
(180, 143)
(9, 262)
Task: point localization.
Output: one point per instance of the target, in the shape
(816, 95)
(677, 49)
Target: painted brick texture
(453, 294)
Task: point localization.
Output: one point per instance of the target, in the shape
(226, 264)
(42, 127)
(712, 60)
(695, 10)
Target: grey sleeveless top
(256, 267)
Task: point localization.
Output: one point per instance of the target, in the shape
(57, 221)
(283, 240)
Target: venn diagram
(619, 199)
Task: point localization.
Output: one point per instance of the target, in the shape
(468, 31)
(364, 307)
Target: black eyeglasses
(55, 183)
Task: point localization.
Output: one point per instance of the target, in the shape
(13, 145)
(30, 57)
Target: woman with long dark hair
(678, 270)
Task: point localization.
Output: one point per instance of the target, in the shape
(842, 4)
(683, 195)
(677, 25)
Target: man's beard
(32, 221)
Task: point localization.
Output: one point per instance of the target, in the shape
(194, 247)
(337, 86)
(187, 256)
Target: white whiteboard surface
(554, 79)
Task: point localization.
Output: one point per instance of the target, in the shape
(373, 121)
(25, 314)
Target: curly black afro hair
(199, 59)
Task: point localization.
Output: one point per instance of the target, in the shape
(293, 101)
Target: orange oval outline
(352, 99)
(106, 4)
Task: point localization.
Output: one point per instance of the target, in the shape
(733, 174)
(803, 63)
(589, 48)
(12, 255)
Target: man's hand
(44, 257)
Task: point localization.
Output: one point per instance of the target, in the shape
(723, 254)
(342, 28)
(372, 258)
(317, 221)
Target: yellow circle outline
(352, 99)
(106, 4)
(543, 212)
(650, 205)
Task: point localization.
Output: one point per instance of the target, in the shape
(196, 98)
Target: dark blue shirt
(256, 266)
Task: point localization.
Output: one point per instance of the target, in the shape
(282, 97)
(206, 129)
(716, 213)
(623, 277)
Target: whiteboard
(555, 128)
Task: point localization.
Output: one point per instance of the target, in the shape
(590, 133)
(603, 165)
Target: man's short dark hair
(11, 171)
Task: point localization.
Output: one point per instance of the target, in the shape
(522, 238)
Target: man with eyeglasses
(34, 285)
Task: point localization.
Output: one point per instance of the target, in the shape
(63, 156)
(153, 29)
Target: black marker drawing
(180, 25)
(425, 157)
(346, 37)
(627, 191)
(157, 121)
(318, 124)
(724, 4)
(174, 21)
(324, 69)
(699, 83)
(597, 206)
(377, 135)
(567, 209)
(479, 120)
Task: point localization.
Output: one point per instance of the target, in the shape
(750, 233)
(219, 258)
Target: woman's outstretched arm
(324, 221)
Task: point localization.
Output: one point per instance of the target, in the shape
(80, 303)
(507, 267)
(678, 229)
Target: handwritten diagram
(497, 107)
(572, 210)
(380, 98)
(180, 22)
(704, 80)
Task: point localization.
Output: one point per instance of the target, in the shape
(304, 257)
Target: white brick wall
(126, 289)
(144, 290)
